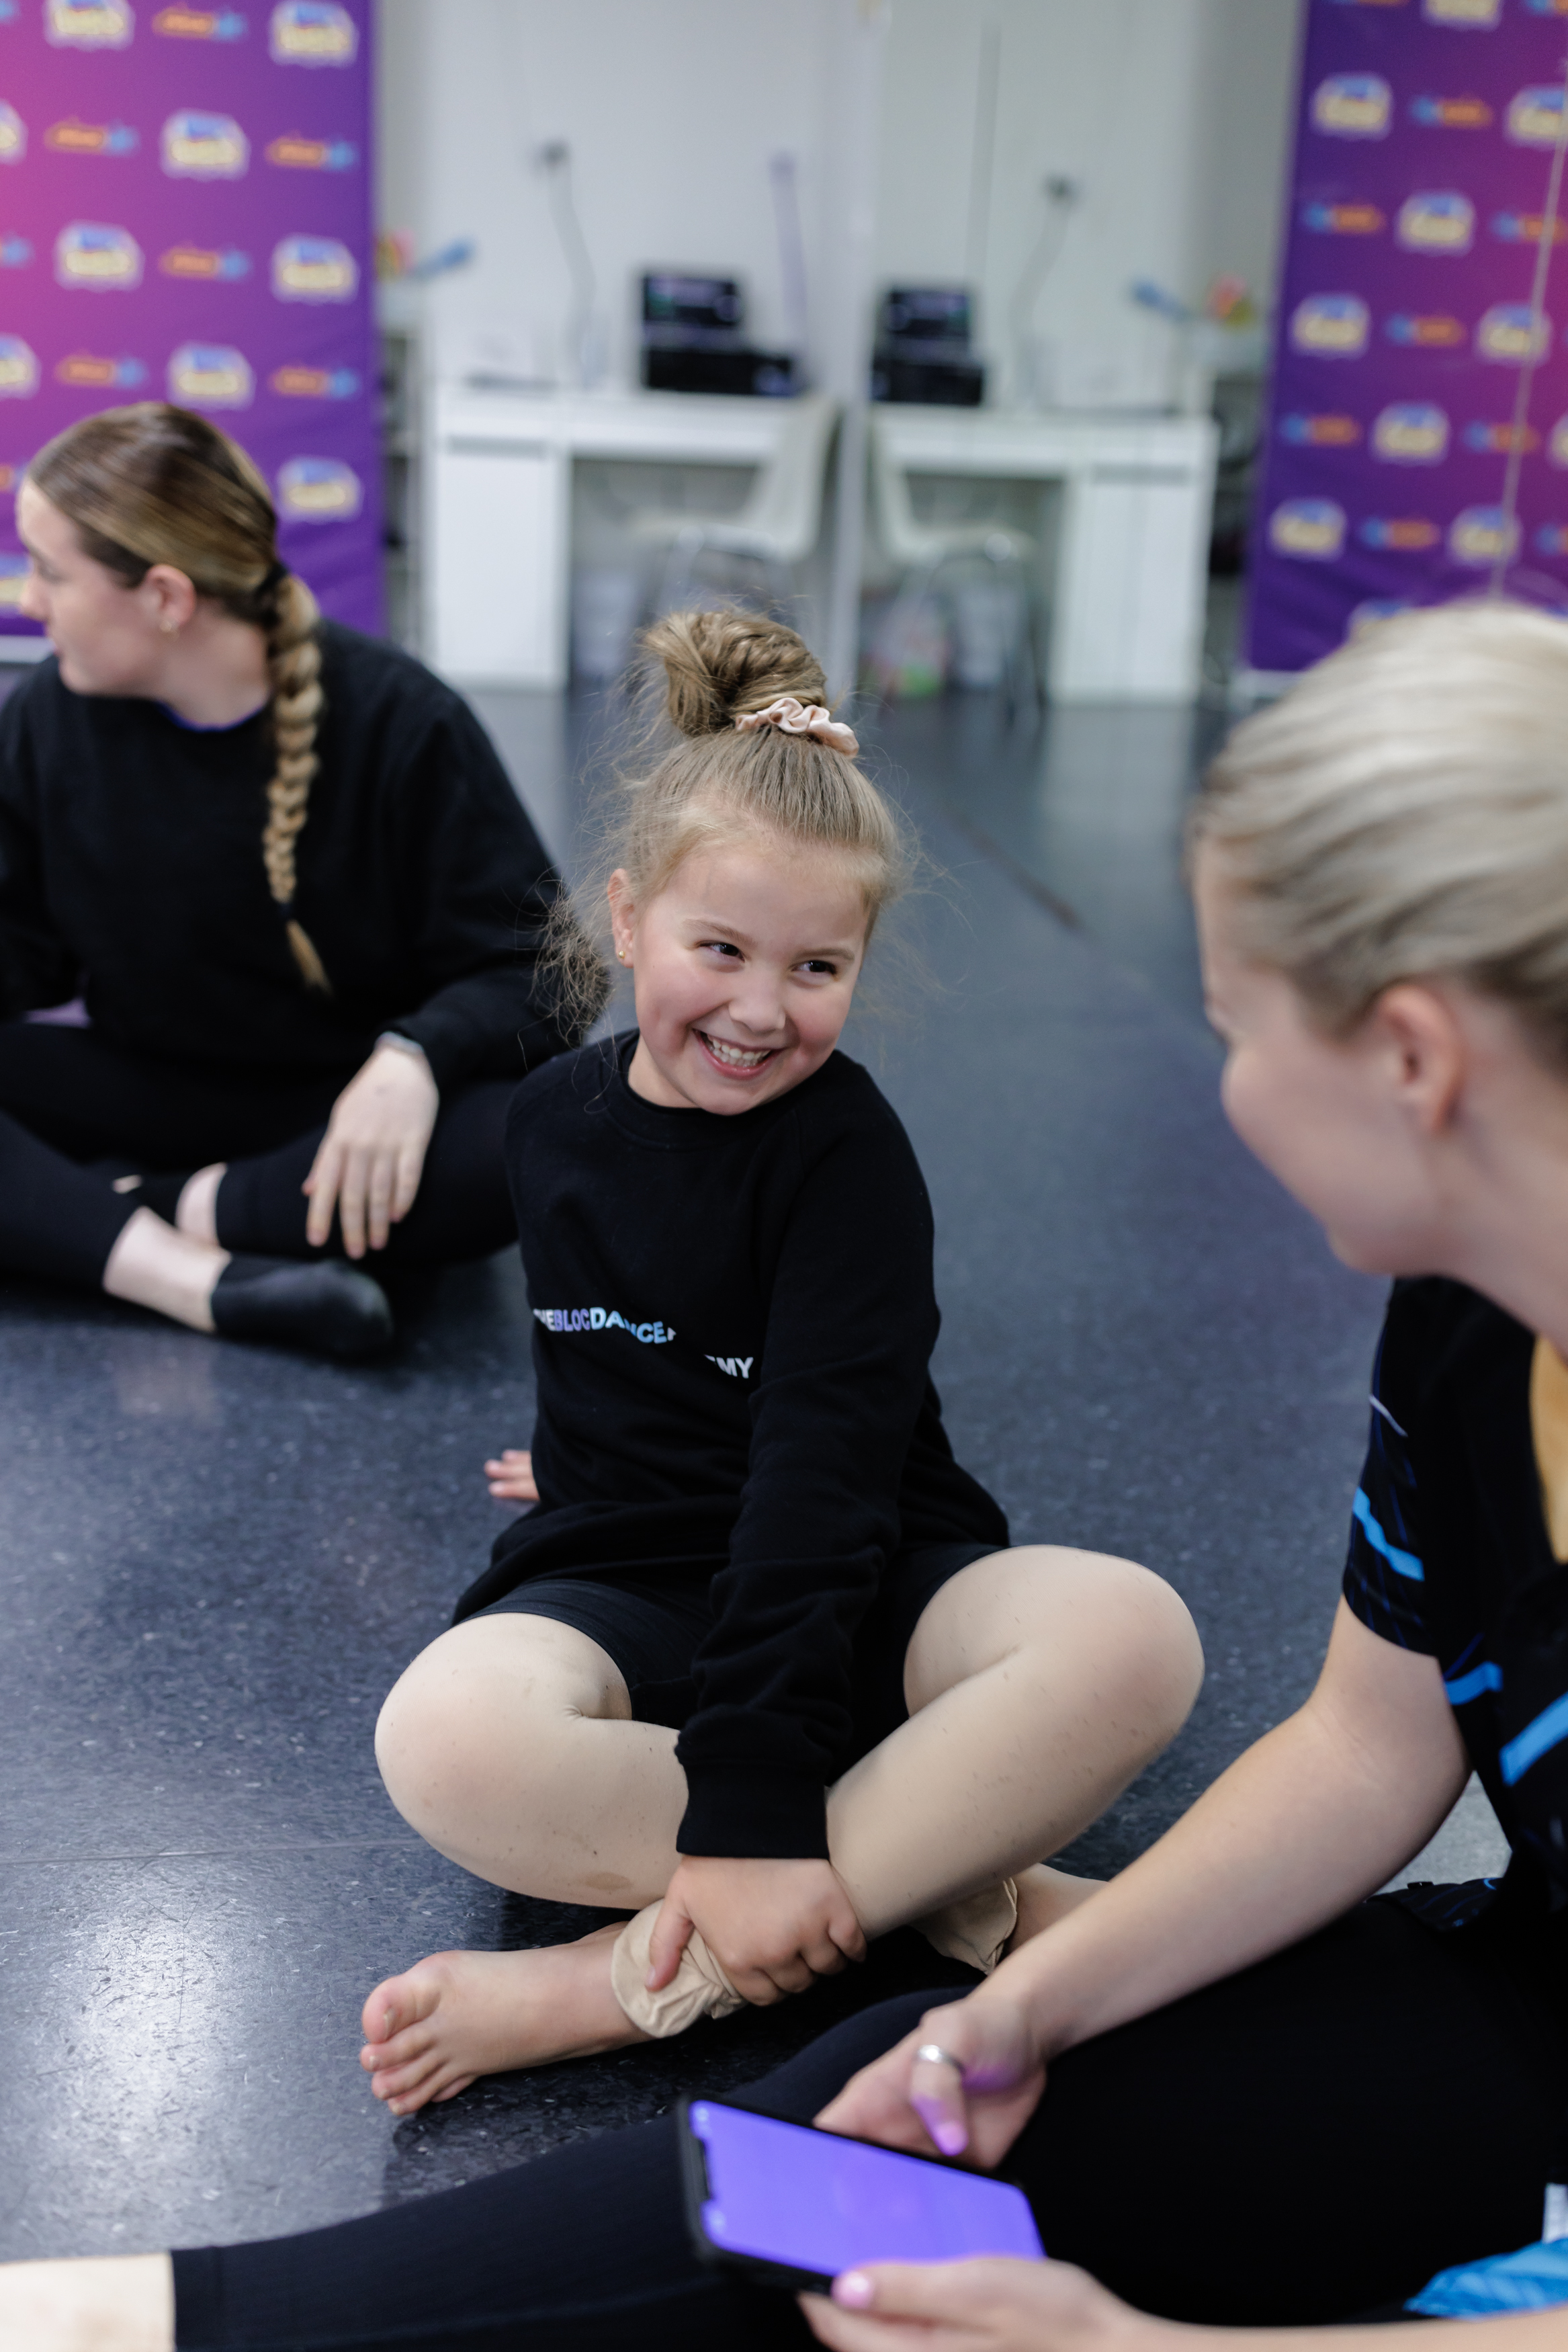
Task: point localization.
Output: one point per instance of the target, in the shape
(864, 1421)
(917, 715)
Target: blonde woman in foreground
(1240, 2093)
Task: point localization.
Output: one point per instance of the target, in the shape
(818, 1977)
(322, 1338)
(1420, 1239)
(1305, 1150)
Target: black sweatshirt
(131, 870)
(733, 1321)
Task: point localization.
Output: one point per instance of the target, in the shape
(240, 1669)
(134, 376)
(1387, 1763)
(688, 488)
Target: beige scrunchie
(793, 718)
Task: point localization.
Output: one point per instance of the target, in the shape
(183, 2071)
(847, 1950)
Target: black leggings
(1306, 2141)
(67, 1099)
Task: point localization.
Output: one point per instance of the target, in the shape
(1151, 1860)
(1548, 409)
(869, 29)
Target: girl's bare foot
(457, 2015)
(1046, 1895)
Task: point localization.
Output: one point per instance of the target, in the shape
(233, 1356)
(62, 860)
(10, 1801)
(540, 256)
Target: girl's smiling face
(744, 967)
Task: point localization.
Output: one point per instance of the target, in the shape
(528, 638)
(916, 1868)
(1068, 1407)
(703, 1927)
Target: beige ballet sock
(975, 1930)
(699, 1987)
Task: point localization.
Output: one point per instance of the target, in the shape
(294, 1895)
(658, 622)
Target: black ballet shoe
(330, 1307)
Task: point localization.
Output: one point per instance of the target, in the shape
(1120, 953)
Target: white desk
(1128, 597)
(498, 525)
(1132, 558)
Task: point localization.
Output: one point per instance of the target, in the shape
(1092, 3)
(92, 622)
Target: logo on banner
(1496, 439)
(1480, 15)
(1331, 326)
(18, 369)
(1437, 222)
(1399, 534)
(200, 25)
(1411, 433)
(314, 269)
(1343, 220)
(318, 489)
(14, 570)
(1483, 535)
(74, 137)
(1535, 116)
(1547, 8)
(1426, 331)
(297, 154)
(1451, 114)
(313, 383)
(15, 253)
(1552, 538)
(1313, 528)
(204, 147)
(93, 256)
(88, 24)
(13, 134)
(211, 375)
(202, 261)
(1505, 334)
(87, 371)
(1526, 228)
(311, 33)
(1327, 432)
(1352, 106)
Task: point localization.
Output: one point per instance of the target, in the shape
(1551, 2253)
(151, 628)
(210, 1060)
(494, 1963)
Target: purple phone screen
(803, 2199)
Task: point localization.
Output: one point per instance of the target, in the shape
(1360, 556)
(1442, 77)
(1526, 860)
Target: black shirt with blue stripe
(1450, 1555)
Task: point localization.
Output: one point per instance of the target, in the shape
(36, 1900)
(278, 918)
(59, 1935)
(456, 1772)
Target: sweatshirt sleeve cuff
(753, 1811)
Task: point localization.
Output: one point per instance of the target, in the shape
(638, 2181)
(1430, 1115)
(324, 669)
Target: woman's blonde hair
(1402, 813)
(152, 484)
(716, 784)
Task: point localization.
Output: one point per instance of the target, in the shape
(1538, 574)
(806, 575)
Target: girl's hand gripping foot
(773, 1927)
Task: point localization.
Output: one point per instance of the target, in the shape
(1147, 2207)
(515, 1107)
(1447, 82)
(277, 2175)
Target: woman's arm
(1313, 1818)
(1011, 2307)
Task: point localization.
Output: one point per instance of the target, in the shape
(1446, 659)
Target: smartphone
(799, 2206)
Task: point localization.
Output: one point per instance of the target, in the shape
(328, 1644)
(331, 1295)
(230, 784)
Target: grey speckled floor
(216, 1560)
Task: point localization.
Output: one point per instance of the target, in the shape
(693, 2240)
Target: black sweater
(733, 1321)
(131, 870)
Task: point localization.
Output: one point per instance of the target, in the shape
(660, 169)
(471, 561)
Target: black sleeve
(851, 1327)
(1385, 1567)
(481, 890)
(37, 966)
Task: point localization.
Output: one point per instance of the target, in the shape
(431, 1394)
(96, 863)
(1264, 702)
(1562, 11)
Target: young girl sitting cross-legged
(759, 1667)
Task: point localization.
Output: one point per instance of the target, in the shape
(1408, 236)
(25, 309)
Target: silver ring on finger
(933, 2055)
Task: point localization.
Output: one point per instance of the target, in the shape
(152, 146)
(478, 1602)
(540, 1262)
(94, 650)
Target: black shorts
(653, 1631)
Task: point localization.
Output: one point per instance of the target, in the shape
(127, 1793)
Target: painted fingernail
(951, 2138)
(854, 2288)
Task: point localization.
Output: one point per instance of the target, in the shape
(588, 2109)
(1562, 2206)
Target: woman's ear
(168, 597)
(1427, 1052)
(622, 914)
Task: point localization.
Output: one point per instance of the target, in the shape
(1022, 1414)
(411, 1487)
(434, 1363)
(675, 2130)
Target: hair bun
(718, 666)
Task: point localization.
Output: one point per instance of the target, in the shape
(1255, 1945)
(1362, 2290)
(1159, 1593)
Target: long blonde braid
(154, 484)
(294, 666)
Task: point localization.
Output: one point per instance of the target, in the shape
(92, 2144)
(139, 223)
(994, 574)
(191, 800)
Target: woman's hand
(981, 2306)
(906, 2101)
(372, 1154)
(771, 1926)
(511, 1476)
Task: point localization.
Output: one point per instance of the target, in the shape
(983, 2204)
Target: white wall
(1172, 113)
(1168, 114)
(670, 108)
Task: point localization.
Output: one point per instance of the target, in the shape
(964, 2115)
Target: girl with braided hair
(284, 871)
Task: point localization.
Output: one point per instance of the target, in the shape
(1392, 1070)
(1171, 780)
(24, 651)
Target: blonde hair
(152, 484)
(716, 784)
(1402, 813)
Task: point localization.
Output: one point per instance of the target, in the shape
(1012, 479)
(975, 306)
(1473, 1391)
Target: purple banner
(185, 214)
(1425, 148)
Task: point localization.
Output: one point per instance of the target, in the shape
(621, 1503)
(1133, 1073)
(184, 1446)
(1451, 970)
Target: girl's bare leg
(120, 2302)
(172, 1273)
(1040, 1681)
